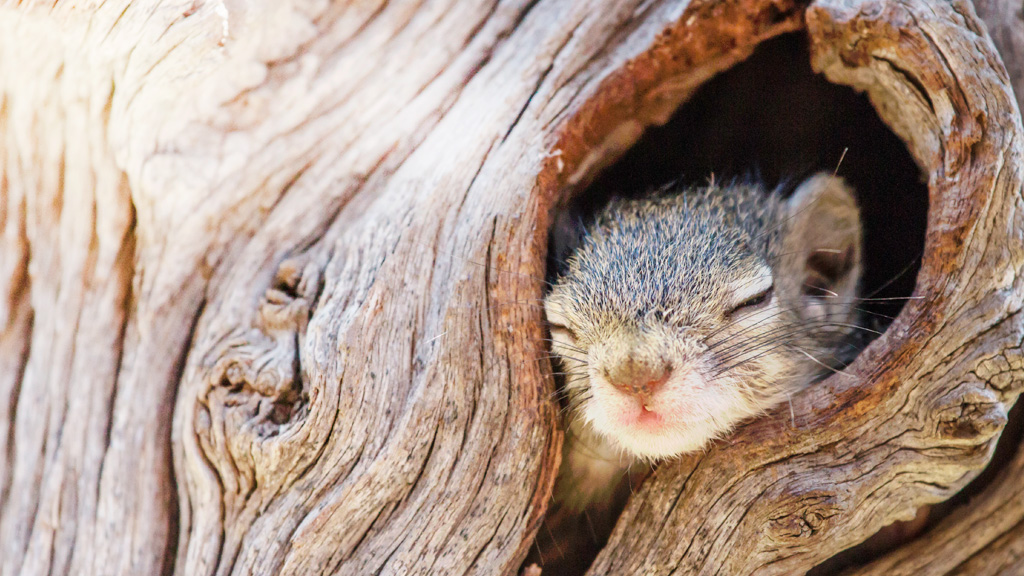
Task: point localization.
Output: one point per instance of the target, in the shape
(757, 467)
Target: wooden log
(916, 416)
(982, 536)
(268, 277)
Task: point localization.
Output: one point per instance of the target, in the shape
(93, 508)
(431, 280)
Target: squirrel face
(679, 316)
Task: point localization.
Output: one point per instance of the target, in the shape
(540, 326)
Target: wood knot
(803, 518)
(288, 302)
(253, 397)
(977, 417)
(254, 384)
(254, 388)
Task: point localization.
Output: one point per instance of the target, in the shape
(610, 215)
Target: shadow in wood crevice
(1007, 447)
(903, 533)
(771, 118)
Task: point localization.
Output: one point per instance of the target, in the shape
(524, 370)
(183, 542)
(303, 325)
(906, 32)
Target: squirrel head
(679, 315)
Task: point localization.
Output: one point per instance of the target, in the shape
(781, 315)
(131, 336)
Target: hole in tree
(773, 119)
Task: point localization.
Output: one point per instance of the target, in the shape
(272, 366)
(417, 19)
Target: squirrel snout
(637, 377)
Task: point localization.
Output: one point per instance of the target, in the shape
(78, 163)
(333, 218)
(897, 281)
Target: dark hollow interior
(772, 118)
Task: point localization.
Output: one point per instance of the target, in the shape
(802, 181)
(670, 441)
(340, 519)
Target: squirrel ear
(825, 233)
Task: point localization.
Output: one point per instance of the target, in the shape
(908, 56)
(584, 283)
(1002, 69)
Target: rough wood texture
(268, 277)
(975, 540)
(1004, 20)
(986, 536)
(915, 417)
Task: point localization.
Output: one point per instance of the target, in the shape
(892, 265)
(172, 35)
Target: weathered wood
(1004, 20)
(315, 234)
(83, 458)
(915, 417)
(981, 538)
(985, 535)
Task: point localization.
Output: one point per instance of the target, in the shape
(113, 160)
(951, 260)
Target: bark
(986, 537)
(269, 273)
(917, 415)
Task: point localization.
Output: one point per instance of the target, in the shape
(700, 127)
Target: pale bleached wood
(68, 238)
(315, 233)
(397, 455)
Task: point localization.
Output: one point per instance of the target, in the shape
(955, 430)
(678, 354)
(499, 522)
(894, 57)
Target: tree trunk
(268, 276)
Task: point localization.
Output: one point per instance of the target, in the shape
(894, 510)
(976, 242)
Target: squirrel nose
(638, 378)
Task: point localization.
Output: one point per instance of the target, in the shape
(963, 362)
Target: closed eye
(560, 330)
(557, 322)
(754, 303)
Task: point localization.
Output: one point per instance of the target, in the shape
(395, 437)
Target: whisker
(436, 337)
(753, 348)
(733, 343)
(752, 353)
(855, 327)
(563, 356)
(562, 344)
(774, 335)
(892, 299)
(742, 361)
(827, 292)
(840, 162)
(718, 331)
(897, 276)
(820, 363)
(873, 313)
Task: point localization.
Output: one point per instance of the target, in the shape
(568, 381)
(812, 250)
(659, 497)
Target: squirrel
(680, 315)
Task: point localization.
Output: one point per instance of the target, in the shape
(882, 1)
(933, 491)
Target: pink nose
(638, 378)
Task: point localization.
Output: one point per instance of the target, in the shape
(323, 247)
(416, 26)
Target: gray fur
(668, 258)
(654, 282)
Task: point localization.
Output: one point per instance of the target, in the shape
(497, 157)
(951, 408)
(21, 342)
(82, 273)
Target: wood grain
(918, 413)
(269, 277)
